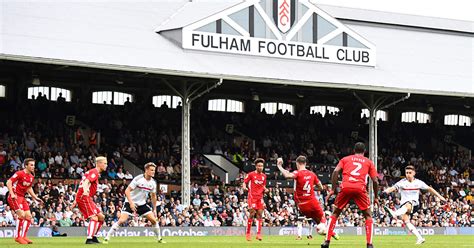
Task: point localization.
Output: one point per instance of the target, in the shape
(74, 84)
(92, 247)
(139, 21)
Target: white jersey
(410, 191)
(141, 188)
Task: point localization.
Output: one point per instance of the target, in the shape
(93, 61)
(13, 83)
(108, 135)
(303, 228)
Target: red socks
(98, 226)
(331, 225)
(26, 226)
(259, 226)
(249, 226)
(369, 228)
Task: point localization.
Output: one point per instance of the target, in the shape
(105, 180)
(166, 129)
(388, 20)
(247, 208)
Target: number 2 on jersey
(355, 172)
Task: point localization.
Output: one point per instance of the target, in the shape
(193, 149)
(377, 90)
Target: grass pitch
(232, 241)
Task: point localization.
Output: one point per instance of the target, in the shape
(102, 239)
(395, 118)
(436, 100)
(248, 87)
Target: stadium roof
(420, 55)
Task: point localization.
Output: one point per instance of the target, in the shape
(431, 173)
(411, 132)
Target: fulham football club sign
(289, 29)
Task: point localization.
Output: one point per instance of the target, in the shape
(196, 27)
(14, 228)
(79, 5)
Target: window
(286, 107)
(120, 98)
(109, 97)
(102, 97)
(2, 90)
(451, 120)
(34, 92)
(269, 107)
(235, 106)
(457, 120)
(216, 105)
(51, 93)
(381, 114)
(273, 107)
(417, 117)
(172, 101)
(465, 120)
(321, 109)
(225, 105)
(159, 101)
(55, 92)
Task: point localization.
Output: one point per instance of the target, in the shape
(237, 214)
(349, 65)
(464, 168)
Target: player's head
(30, 165)
(359, 148)
(301, 162)
(259, 162)
(101, 163)
(150, 169)
(410, 172)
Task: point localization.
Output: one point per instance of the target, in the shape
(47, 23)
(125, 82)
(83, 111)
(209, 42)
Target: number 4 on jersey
(307, 187)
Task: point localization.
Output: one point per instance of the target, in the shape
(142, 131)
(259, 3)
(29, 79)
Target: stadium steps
(131, 167)
(222, 167)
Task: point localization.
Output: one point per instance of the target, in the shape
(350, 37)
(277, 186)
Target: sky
(452, 9)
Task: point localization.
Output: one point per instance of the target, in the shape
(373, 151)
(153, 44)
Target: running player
(256, 181)
(355, 169)
(136, 196)
(87, 206)
(18, 185)
(305, 199)
(409, 189)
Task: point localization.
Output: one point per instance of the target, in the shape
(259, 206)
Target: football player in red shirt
(256, 181)
(355, 169)
(305, 199)
(85, 202)
(18, 185)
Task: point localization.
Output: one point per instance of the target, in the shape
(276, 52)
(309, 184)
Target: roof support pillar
(373, 106)
(188, 94)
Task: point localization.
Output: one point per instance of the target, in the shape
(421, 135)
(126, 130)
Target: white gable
(414, 54)
(285, 23)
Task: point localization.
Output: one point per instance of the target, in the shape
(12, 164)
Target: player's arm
(153, 201)
(286, 173)
(129, 198)
(375, 185)
(396, 187)
(265, 189)
(335, 177)
(32, 194)
(244, 183)
(375, 181)
(319, 186)
(434, 192)
(390, 190)
(10, 188)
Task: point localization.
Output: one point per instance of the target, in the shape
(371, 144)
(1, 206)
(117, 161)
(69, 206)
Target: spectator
(3, 191)
(65, 220)
(128, 176)
(120, 174)
(55, 232)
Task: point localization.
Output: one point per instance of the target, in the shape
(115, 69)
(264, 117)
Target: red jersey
(21, 182)
(304, 185)
(256, 184)
(355, 169)
(93, 177)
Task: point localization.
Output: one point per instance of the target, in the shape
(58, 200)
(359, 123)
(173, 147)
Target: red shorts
(19, 203)
(87, 206)
(311, 209)
(360, 196)
(256, 203)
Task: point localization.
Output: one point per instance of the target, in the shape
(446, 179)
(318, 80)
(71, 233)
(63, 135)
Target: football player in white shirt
(136, 196)
(409, 189)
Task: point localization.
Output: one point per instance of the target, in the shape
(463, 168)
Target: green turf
(269, 241)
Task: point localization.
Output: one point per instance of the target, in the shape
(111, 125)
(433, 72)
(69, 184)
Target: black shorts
(141, 210)
(414, 208)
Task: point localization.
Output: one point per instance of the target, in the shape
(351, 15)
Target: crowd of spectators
(226, 206)
(62, 153)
